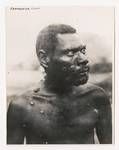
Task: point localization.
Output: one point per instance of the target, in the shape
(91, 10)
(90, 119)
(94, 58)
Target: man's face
(69, 60)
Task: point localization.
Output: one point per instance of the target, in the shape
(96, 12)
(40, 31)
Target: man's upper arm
(104, 124)
(15, 132)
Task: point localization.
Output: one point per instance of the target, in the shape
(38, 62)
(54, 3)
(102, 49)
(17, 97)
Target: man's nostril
(85, 62)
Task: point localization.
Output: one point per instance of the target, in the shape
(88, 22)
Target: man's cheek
(62, 63)
(65, 59)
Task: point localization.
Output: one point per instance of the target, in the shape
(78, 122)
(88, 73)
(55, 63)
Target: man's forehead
(69, 40)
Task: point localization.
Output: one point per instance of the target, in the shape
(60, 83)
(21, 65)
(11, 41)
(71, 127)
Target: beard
(77, 75)
(68, 74)
(80, 80)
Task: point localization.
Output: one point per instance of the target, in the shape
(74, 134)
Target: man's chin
(81, 81)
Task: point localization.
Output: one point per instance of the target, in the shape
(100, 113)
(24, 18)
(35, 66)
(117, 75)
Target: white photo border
(3, 107)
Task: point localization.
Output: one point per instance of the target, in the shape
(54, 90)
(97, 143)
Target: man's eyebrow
(77, 48)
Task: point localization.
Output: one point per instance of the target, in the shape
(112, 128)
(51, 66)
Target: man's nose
(81, 59)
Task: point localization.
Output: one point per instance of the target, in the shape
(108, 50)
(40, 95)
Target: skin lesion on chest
(55, 121)
(61, 117)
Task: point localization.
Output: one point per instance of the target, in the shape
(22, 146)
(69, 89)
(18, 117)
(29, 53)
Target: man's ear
(43, 58)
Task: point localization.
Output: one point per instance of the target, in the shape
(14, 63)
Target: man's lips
(78, 70)
(83, 69)
(83, 73)
(77, 73)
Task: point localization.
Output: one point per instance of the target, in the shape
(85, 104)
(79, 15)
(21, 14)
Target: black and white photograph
(60, 75)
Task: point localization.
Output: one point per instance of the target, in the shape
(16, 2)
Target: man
(64, 109)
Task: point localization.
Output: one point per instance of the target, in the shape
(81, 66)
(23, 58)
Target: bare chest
(52, 120)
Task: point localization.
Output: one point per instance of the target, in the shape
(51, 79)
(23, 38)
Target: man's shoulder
(19, 99)
(89, 88)
(95, 92)
(19, 102)
(24, 99)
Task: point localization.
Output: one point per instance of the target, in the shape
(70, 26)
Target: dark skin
(64, 109)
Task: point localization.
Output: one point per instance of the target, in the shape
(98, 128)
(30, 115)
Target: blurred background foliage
(101, 67)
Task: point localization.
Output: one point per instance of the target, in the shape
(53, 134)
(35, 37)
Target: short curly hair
(47, 39)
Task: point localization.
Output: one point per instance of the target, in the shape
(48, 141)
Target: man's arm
(15, 131)
(104, 124)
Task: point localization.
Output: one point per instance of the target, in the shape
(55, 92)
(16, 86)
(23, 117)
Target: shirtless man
(64, 109)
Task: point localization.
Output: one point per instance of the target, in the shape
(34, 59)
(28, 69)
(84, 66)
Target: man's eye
(70, 53)
(83, 51)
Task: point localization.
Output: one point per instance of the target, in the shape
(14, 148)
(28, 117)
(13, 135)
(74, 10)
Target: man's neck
(57, 85)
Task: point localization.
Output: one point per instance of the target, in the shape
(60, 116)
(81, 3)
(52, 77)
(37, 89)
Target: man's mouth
(79, 69)
(77, 74)
(84, 71)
